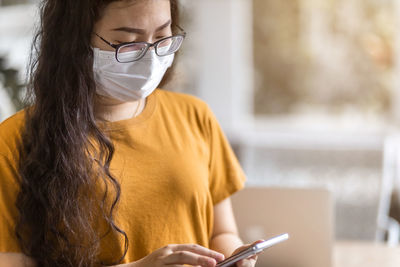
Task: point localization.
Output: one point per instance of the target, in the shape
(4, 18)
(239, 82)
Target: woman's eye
(156, 39)
(126, 41)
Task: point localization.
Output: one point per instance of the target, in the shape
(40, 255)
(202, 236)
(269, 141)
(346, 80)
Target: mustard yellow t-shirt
(173, 163)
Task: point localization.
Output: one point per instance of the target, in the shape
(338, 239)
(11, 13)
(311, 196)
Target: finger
(250, 262)
(252, 244)
(239, 249)
(199, 250)
(254, 257)
(187, 257)
(245, 246)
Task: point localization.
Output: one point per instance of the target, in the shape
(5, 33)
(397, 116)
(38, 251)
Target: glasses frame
(117, 47)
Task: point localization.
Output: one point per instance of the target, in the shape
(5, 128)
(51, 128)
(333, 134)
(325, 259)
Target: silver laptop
(306, 214)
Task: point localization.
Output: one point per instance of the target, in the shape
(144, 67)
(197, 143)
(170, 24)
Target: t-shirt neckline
(151, 102)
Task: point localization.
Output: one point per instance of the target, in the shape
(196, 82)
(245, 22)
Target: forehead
(137, 13)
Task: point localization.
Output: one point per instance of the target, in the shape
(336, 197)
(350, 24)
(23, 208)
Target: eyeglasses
(133, 51)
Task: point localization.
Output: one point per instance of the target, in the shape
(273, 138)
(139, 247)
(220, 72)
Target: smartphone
(253, 250)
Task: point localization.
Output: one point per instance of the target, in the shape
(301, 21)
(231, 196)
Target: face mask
(128, 81)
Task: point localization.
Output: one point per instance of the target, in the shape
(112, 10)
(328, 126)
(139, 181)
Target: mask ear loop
(95, 56)
(137, 108)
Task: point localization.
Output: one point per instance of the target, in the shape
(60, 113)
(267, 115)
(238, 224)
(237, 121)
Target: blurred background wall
(307, 91)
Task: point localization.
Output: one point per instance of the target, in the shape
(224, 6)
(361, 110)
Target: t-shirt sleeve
(8, 210)
(226, 175)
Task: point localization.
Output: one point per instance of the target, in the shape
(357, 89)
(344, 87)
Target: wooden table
(365, 254)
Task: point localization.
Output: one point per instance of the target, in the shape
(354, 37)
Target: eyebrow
(141, 31)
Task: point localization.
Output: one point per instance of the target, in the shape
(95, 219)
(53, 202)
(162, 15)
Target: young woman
(102, 168)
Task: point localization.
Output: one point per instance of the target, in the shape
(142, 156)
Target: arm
(225, 237)
(16, 260)
(166, 256)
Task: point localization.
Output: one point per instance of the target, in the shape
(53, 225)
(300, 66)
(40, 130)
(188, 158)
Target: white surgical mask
(129, 81)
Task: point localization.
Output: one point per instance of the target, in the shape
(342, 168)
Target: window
(333, 58)
(15, 2)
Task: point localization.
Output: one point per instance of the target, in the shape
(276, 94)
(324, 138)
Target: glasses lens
(131, 52)
(169, 45)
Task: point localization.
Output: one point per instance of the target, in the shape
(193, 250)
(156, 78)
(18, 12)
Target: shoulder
(10, 133)
(182, 102)
(188, 111)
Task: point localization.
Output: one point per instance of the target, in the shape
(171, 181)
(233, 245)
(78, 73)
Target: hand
(179, 254)
(250, 261)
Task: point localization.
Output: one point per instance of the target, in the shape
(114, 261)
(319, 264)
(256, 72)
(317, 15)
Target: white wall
(16, 31)
(223, 52)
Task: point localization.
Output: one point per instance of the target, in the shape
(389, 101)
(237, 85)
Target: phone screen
(259, 247)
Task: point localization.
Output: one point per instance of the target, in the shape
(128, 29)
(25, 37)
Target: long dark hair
(64, 157)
